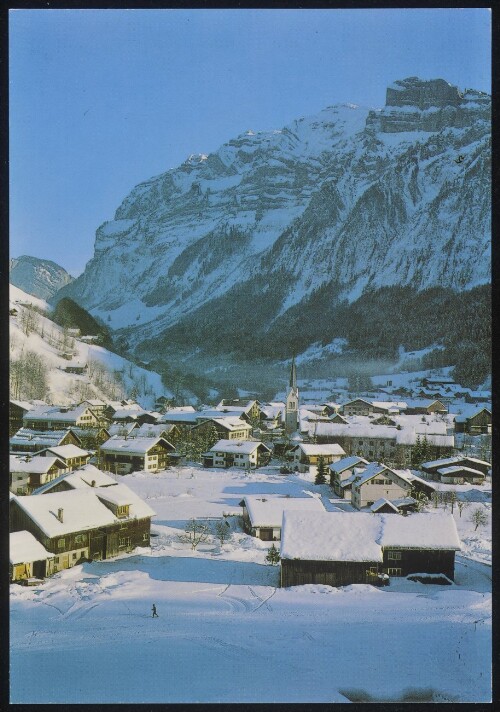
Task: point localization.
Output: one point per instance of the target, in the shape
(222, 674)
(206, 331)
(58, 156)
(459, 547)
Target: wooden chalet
(263, 513)
(307, 455)
(124, 455)
(434, 468)
(90, 523)
(72, 455)
(17, 411)
(228, 428)
(343, 548)
(27, 440)
(26, 474)
(478, 423)
(28, 559)
(58, 417)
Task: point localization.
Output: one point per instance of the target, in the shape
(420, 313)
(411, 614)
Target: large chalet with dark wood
(89, 523)
(477, 423)
(343, 548)
(57, 417)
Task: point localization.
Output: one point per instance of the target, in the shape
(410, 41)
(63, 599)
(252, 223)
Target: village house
(377, 481)
(395, 506)
(27, 440)
(86, 476)
(476, 423)
(97, 406)
(163, 430)
(76, 367)
(230, 428)
(272, 415)
(343, 548)
(91, 438)
(57, 417)
(28, 559)
(358, 406)
(125, 455)
(263, 513)
(247, 454)
(434, 468)
(72, 455)
(458, 475)
(422, 406)
(26, 474)
(250, 409)
(80, 524)
(306, 455)
(17, 411)
(343, 472)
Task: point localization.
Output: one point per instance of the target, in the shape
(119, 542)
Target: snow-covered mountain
(41, 278)
(349, 199)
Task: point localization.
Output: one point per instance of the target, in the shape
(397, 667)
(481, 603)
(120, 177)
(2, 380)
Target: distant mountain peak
(40, 278)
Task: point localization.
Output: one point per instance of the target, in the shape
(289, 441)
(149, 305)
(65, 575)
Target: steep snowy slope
(41, 278)
(350, 198)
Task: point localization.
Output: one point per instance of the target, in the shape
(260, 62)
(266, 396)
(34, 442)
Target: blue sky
(103, 99)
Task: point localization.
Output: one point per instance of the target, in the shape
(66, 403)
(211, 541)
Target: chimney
(60, 513)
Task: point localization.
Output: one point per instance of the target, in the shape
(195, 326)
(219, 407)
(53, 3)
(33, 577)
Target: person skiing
(155, 614)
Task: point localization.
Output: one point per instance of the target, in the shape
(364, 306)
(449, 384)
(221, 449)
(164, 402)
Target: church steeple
(292, 402)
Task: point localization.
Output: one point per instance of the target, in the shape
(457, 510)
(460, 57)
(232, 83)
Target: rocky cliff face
(41, 278)
(351, 198)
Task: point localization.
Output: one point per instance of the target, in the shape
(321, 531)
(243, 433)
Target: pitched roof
(55, 413)
(244, 446)
(320, 449)
(36, 465)
(267, 510)
(67, 451)
(359, 536)
(347, 463)
(135, 446)
(79, 479)
(23, 548)
(375, 468)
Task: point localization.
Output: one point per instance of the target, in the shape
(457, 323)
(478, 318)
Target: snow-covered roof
(170, 416)
(120, 494)
(356, 536)
(181, 409)
(121, 428)
(244, 446)
(347, 463)
(36, 465)
(459, 468)
(231, 423)
(390, 405)
(80, 479)
(46, 437)
(68, 451)
(56, 413)
(23, 548)
(448, 461)
(82, 509)
(136, 446)
(323, 449)
(267, 510)
(381, 502)
(375, 468)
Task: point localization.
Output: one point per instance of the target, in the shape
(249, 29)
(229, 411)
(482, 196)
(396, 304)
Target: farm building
(263, 514)
(343, 548)
(27, 557)
(475, 424)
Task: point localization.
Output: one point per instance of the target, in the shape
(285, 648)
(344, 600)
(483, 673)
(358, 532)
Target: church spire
(293, 375)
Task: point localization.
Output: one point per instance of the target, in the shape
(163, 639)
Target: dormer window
(123, 510)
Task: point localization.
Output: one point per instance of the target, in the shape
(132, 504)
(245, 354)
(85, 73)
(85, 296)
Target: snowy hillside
(41, 278)
(346, 200)
(107, 376)
(227, 633)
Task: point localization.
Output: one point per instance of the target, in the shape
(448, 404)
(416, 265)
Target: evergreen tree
(416, 452)
(273, 556)
(320, 478)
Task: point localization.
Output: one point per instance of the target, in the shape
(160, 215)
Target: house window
(61, 543)
(394, 572)
(124, 541)
(78, 538)
(394, 555)
(145, 536)
(74, 555)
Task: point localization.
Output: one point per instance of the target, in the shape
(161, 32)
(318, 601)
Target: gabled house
(27, 440)
(124, 455)
(378, 481)
(81, 524)
(477, 423)
(26, 474)
(86, 476)
(433, 467)
(343, 548)
(27, 557)
(17, 411)
(458, 474)
(247, 454)
(230, 428)
(249, 408)
(306, 455)
(343, 472)
(58, 417)
(263, 513)
(358, 406)
(72, 455)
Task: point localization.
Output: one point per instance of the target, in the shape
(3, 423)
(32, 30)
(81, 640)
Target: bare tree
(223, 530)
(479, 518)
(462, 504)
(195, 533)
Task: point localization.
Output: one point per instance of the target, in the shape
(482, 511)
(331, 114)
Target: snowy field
(227, 633)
